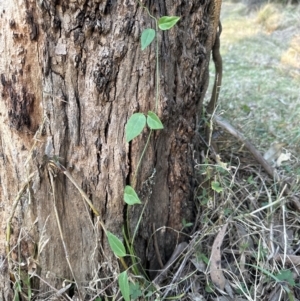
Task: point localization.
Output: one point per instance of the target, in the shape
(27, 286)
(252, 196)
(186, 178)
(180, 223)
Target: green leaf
(166, 22)
(216, 186)
(16, 296)
(286, 275)
(209, 288)
(134, 126)
(135, 291)
(185, 224)
(17, 289)
(242, 288)
(147, 37)
(130, 196)
(124, 285)
(250, 180)
(202, 257)
(154, 122)
(116, 245)
(149, 294)
(246, 109)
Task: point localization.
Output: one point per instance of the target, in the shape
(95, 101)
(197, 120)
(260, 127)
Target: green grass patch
(260, 92)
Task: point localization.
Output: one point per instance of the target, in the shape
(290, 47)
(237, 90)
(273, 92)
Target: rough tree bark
(74, 70)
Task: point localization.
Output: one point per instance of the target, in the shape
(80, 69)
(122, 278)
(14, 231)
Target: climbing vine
(134, 127)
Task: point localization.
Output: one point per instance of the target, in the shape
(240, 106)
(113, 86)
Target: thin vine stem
(138, 223)
(130, 242)
(147, 9)
(157, 60)
(142, 155)
(157, 82)
(157, 70)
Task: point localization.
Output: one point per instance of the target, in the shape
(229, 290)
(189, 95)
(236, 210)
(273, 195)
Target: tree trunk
(72, 73)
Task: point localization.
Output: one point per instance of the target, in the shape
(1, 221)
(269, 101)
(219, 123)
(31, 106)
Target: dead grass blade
(291, 259)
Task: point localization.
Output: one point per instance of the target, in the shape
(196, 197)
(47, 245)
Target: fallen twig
(257, 155)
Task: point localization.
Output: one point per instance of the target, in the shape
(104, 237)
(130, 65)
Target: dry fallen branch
(258, 156)
(177, 252)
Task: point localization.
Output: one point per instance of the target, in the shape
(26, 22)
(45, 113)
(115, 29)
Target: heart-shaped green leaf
(154, 122)
(166, 22)
(134, 126)
(147, 37)
(130, 196)
(116, 245)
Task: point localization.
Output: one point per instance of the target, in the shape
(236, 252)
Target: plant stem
(146, 8)
(156, 50)
(138, 223)
(157, 70)
(142, 155)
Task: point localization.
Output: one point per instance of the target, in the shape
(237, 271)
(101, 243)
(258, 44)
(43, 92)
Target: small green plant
(185, 224)
(283, 278)
(135, 290)
(216, 186)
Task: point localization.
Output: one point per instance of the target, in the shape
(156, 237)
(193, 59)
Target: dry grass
(257, 256)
